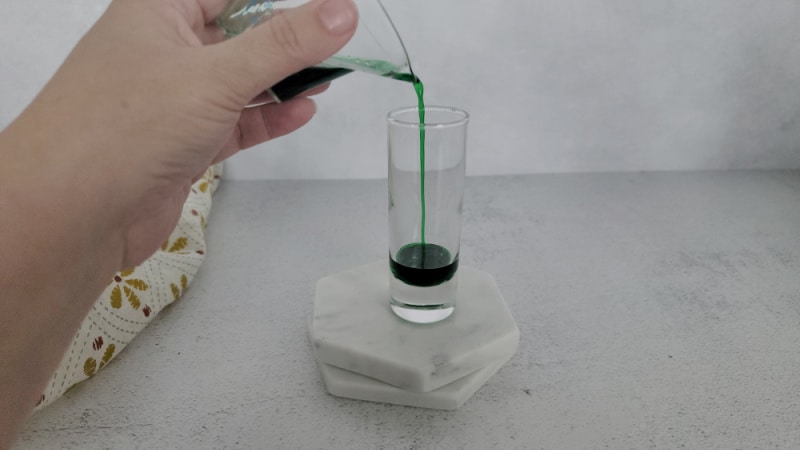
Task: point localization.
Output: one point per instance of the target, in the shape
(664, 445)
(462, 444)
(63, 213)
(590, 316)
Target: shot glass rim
(461, 119)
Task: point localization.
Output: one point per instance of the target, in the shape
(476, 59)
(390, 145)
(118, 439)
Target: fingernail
(338, 16)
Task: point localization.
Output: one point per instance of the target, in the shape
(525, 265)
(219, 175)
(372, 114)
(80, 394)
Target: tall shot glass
(426, 188)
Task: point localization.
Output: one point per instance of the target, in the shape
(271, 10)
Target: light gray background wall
(552, 85)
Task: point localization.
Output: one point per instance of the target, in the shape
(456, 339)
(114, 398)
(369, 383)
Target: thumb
(289, 41)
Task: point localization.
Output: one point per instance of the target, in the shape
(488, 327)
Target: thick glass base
(417, 315)
(422, 304)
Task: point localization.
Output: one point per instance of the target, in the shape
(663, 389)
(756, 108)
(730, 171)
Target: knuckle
(284, 34)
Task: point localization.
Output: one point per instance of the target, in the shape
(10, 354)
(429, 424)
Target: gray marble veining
(354, 329)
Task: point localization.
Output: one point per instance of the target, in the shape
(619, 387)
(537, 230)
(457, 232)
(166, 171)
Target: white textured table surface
(655, 310)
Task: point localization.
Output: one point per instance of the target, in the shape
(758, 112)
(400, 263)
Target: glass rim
(461, 117)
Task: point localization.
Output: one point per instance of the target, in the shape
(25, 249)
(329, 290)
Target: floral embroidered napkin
(134, 297)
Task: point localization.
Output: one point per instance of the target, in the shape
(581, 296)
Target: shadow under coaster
(365, 352)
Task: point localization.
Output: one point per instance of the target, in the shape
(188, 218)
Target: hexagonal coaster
(342, 383)
(354, 329)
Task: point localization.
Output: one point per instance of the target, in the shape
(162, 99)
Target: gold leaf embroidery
(133, 299)
(126, 273)
(203, 187)
(176, 290)
(116, 298)
(138, 284)
(109, 353)
(179, 245)
(122, 286)
(89, 367)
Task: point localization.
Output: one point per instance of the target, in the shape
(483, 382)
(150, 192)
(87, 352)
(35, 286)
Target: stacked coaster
(365, 352)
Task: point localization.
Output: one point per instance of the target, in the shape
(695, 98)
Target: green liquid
(417, 264)
(373, 66)
(338, 66)
(306, 79)
(240, 15)
(335, 67)
(420, 89)
(389, 70)
(423, 265)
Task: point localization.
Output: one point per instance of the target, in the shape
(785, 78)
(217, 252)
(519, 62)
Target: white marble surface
(350, 385)
(656, 311)
(342, 383)
(354, 329)
(552, 85)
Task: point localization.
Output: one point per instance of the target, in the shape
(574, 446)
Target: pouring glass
(376, 46)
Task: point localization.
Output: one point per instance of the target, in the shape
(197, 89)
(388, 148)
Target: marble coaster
(342, 383)
(354, 329)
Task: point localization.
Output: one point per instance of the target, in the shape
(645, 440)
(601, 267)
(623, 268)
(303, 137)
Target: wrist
(59, 252)
(56, 196)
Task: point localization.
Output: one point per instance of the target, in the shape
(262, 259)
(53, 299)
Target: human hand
(94, 173)
(152, 96)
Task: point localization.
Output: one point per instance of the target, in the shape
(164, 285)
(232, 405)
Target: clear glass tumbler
(426, 188)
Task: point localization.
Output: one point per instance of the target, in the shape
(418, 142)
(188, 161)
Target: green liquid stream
(243, 14)
(338, 66)
(419, 88)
